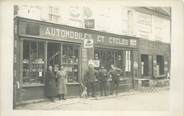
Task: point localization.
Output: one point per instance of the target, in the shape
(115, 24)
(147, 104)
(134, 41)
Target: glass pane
(40, 50)
(26, 49)
(71, 61)
(33, 51)
(33, 62)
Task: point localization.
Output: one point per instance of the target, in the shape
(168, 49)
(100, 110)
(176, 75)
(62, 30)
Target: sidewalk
(47, 105)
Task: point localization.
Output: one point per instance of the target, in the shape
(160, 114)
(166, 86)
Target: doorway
(144, 65)
(160, 65)
(53, 53)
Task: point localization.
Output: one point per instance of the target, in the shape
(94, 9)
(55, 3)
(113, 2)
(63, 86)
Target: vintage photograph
(91, 57)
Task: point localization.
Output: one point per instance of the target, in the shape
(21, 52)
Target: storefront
(154, 61)
(38, 44)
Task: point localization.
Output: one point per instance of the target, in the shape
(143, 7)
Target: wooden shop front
(38, 44)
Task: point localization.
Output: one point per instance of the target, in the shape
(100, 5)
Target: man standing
(115, 75)
(90, 79)
(50, 84)
(102, 79)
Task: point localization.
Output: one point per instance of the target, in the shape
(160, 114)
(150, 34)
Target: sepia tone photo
(80, 57)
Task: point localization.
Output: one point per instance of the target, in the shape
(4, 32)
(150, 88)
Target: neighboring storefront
(154, 60)
(38, 44)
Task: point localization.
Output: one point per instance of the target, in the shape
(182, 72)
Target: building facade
(39, 44)
(44, 39)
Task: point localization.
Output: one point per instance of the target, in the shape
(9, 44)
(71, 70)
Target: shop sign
(133, 42)
(89, 23)
(66, 33)
(75, 14)
(95, 63)
(88, 43)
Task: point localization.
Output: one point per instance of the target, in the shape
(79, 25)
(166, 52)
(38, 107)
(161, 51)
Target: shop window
(118, 59)
(144, 65)
(70, 60)
(106, 57)
(121, 59)
(33, 62)
(160, 65)
(53, 14)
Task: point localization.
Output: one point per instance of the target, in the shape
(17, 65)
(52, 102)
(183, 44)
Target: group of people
(108, 80)
(55, 82)
(56, 79)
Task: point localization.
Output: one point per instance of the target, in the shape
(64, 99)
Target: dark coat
(90, 75)
(115, 73)
(102, 75)
(50, 84)
(61, 82)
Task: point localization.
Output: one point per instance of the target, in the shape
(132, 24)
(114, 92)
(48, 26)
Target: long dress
(61, 82)
(50, 84)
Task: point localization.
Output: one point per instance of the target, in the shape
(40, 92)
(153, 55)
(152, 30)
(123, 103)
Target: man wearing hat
(90, 79)
(115, 75)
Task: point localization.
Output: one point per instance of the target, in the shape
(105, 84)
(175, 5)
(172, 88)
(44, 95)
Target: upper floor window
(53, 14)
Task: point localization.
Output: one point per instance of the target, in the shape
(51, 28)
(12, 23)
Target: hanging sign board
(89, 23)
(88, 43)
(95, 63)
(71, 34)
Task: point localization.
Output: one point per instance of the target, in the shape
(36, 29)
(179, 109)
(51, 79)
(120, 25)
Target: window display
(108, 57)
(33, 62)
(70, 59)
(121, 59)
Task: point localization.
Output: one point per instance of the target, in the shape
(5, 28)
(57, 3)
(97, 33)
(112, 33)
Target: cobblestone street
(132, 100)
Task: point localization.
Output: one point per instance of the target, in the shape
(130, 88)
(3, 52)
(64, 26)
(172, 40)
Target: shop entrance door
(144, 65)
(53, 53)
(160, 65)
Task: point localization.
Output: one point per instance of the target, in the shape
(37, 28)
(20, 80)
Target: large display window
(57, 53)
(121, 59)
(33, 62)
(70, 60)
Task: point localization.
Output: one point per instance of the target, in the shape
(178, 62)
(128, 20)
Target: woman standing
(50, 82)
(61, 83)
